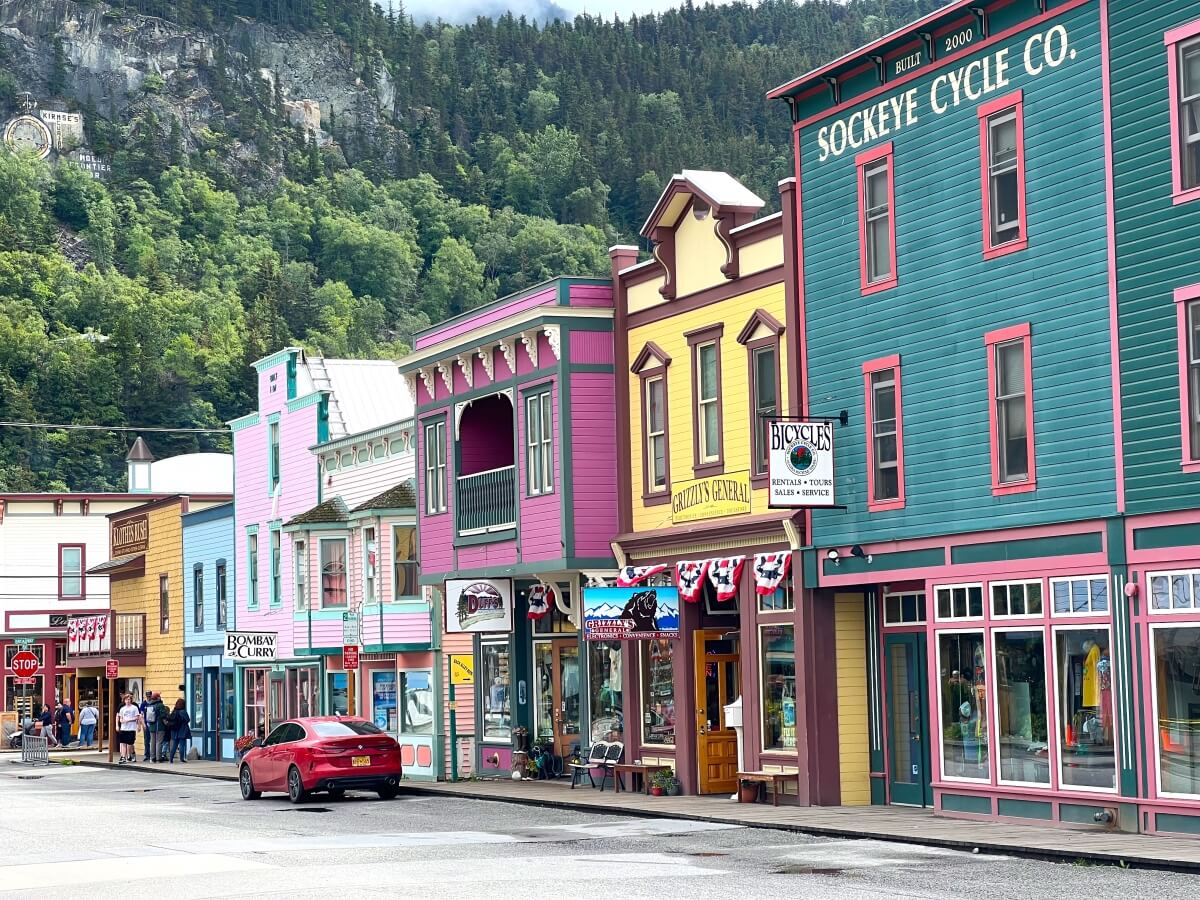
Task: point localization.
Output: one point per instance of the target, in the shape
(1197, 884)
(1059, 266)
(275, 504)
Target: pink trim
(801, 336)
(1114, 345)
(864, 159)
(1014, 101)
(1184, 296)
(991, 339)
(869, 368)
(1172, 39)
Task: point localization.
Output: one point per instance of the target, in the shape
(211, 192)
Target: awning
(133, 564)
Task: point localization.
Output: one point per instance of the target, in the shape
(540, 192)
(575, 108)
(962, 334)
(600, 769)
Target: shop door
(559, 685)
(908, 720)
(208, 705)
(717, 684)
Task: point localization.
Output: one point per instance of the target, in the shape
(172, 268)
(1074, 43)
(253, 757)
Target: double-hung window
(885, 450)
(1011, 409)
(876, 219)
(539, 444)
(1002, 160)
(1187, 308)
(300, 562)
(333, 573)
(276, 567)
(273, 454)
(764, 370)
(252, 569)
(655, 405)
(198, 597)
(222, 595)
(164, 605)
(70, 571)
(435, 467)
(1183, 67)
(705, 345)
(370, 557)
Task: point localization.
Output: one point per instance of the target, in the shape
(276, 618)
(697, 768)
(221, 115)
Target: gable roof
(720, 190)
(369, 392)
(331, 510)
(400, 496)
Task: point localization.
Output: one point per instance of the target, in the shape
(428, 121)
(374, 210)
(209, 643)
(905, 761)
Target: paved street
(81, 832)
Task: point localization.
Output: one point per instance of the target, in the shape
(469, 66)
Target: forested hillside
(452, 164)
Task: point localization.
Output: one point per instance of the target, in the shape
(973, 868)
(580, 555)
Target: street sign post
(351, 628)
(112, 669)
(25, 665)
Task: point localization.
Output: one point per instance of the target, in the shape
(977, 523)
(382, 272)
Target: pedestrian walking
(47, 723)
(128, 722)
(144, 710)
(88, 718)
(65, 720)
(181, 731)
(161, 729)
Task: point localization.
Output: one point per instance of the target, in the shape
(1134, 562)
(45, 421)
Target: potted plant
(242, 744)
(748, 791)
(665, 782)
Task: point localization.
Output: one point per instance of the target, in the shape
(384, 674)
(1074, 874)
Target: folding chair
(614, 753)
(595, 759)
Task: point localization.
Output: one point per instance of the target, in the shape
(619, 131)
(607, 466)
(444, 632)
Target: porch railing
(486, 501)
(129, 632)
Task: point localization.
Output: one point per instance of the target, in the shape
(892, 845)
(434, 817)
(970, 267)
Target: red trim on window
(1173, 39)
(863, 160)
(1022, 333)
(82, 572)
(1184, 296)
(869, 368)
(1014, 101)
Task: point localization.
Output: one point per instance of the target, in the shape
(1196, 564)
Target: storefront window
(197, 701)
(779, 687)
(604, 682)
(1085, 708)
(384, 711)
(543, 676)
(303, 696)
(779, 600)
(417, 690)
(962, 671)
(497, 692)
(228, 702)
(339, 693)
(1020, 678)
(1177, 702)
(658, 693)
(255, 683)
(23, 697)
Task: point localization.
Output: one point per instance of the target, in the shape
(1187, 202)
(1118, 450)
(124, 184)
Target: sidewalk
(885, 823)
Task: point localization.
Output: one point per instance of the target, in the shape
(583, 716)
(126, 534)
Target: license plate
(360, 761)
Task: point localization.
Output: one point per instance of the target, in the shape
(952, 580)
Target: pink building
(302, 401)
(516, 451)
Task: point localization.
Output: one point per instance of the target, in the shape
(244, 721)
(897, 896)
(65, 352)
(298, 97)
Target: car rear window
(342, 729)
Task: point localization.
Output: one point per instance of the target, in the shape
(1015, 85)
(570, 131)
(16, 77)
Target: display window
(1084, 685)
(1019, 689)
(417, 711)
(778, 655)
(658, 693)
(606, 691)
(496, 682)
(962, 699)
(338, 686)
(254, 683)
(197, 701)
(385, 712)
(228, 705)
(303, 693)
(1175, 651)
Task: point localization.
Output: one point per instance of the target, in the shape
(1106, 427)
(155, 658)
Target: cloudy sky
(460, 10)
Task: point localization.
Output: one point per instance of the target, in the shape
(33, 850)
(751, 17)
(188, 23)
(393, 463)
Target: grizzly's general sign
(711, 498)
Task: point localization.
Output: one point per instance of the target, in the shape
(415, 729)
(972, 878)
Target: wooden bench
(776, 779)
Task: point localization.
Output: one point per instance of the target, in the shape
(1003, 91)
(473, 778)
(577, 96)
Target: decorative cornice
(427, 376)
(275, 359)
(726, 222)
(487, 356)
(307, 400)
(757, 318)
(447, 373)
(650, 351)
(530, 340)
(553, 335)
(508, 347)
(247, 421)
(467, 364)
(385, 431)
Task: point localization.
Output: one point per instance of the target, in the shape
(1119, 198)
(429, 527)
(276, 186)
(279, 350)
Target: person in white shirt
(129, 721)
(88, 717)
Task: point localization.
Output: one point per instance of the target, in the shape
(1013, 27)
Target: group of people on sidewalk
(164, 730)
(56, 723)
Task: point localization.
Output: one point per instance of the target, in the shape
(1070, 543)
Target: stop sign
(25, 664)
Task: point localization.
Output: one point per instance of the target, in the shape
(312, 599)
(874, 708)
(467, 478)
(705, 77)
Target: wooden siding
(541, 516)
(464, 700)
(669, 334)
(1156, 253)
(204, 543)
(437, 530)
(591, 347)
(597, 295)
(365, 480)
(494, 313)
(850, 631)
(698, 254)
(949, 297)
(593, 512)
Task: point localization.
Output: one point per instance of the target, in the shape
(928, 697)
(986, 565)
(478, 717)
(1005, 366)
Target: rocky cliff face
(116, 63)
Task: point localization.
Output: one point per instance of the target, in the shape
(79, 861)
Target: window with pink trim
(1002, 163)
(1183, 83)
(1187, 313)
(876, 219)
(885, 434)
(1010, 410)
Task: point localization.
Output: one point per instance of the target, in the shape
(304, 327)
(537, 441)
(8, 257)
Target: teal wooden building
(994, 276)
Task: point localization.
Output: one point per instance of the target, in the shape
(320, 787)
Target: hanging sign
(800, 463)
(711, 498)
(630, 614)
(479, 605)
(251, 645)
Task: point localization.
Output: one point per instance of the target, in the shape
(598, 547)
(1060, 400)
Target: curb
(154, 770)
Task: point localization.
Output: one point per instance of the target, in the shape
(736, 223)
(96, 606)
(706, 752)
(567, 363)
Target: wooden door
(908, 720)
(559, 681)
(718, 682)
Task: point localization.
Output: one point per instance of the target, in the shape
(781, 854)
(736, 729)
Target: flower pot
(656, 791)
(675, 790)
(748, 792)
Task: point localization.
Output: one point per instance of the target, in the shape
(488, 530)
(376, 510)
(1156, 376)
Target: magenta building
(516, 451)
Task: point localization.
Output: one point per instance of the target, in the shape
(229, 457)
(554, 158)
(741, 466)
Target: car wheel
(337, 793)
(296, 791)
(246, 783)
(387, 792)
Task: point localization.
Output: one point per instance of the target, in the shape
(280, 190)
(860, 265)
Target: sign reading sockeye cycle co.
(479, 605)
(251, 645)
(800, 463)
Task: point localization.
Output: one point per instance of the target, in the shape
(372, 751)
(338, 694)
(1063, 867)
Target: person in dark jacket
(65, 719)
(181, 731)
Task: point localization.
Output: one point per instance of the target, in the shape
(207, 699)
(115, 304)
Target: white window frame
(789, 598)
(76, 574)
(1155, 627)
(276, 544)
(1019, 582)
(1193, 576)
(370, 573)
(435, 467)
(1183, 139)
(1002, 400)
(877, 216)
(995, 169)
(706, 406)
(1058, 709)
(539, 444)
(935, 654)
(300, 573)
(1069, 580)
(655, 437)
(883, 379)
(993, 725)
(937, 617)
(922, 606)
(1191, 318)
(321, 542)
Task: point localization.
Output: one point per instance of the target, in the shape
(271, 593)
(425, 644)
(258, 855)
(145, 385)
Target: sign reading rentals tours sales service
(247, 646)
(800, 463)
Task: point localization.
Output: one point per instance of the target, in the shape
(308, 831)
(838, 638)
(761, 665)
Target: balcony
(486, 501)
(91, 639)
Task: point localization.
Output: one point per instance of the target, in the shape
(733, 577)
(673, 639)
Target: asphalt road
(79, 832)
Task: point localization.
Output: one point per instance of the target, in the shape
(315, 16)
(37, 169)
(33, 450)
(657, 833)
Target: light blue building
(207, 601)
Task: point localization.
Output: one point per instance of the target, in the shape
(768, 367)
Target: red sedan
(322, 753)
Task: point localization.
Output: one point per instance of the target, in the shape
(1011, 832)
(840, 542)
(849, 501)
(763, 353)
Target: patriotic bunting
(632, 576)
(88, 634)
(724, 574)
(690, 578)
(541, 597)
(769, 571)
